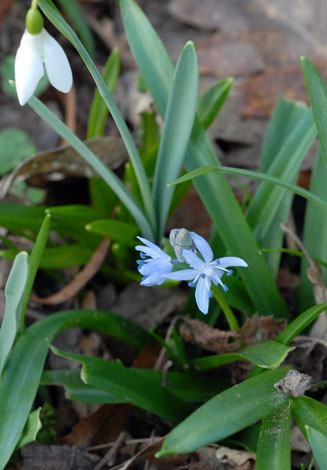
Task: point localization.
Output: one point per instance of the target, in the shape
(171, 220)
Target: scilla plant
(262, 405)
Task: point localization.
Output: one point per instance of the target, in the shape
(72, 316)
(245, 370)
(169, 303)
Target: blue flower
(204, 271)
(155, 268)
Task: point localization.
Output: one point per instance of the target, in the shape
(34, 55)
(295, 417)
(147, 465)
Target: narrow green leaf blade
(178, 122)
(14, 294)
(300, 323)
(252, 174)
(274, 444)
(318, 442)
(35, 260)
(75, 13)
(212, 100)
(318, 98)
(227, 413)
(268, 355)
(99, 110)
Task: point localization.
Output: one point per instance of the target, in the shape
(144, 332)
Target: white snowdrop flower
(36, 52)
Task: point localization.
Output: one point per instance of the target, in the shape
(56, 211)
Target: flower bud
(34, 21)
(180, 239)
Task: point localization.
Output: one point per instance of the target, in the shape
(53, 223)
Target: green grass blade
(122, 232)
(214, 190)
(317, 92)
(75, 13)
(252, 174)
(268, 355)
(106, 174)
(274, 444)
(54, 16)
(22, 374)
(318, 442)
(99, 110)
(34, 262)
(14, 294)
(178, 122)
(227, 413)
(315, 230)
(212, 100)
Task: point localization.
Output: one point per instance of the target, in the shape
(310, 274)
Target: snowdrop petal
(28, 67)
(231, 261)
(202, 294)
(203, 247)
(193, 260)
(56, 63)
(182, 275)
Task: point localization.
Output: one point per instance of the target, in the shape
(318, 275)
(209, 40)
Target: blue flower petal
(202, 294)
(203, 247)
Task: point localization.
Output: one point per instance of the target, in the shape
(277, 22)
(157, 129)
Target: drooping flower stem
(230, 317)
(34, 4)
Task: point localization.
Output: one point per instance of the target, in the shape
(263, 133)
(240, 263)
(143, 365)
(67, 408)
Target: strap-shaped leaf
(179, 118)
(318, 442)
(274, 444)
(227, 413)
(317, 92)
(14, 294)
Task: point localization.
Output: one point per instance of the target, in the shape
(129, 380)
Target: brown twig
(109, 457)
(89, 270)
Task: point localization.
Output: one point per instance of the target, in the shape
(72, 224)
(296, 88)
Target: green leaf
(17, 217)
(99, 111)
(75, 13)
(212, 100)
(252, 174)
(286, 166)
(34, 262)
(178, 122)
(285, 118)
(147, 224)
(129, 386)
(76, 215)
(318, 442)
(15, 146)
(189, 387)
(23, 370)
(106, 174)
(268, 355)
(227, 413)
(315, 230)
(309, 412)
(75, 388)
(318, 98)
(274, 444)
(14, 294)
(214, 190)
(123, 232)
(300, 323)
(31, 428)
